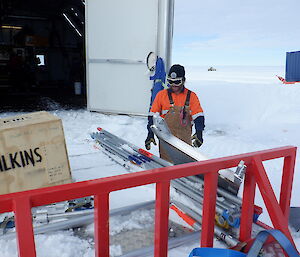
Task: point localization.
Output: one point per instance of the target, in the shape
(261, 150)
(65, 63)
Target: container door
(119, 36)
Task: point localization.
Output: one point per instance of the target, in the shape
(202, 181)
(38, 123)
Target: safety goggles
(174, 81)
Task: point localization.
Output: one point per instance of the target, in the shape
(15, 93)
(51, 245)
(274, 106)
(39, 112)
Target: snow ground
(246, 109)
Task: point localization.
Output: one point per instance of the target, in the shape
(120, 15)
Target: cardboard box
(32, 152)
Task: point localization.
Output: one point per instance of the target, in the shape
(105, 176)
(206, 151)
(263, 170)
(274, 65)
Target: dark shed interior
(42, 54)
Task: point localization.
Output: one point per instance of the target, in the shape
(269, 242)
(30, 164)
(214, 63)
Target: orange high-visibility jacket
(162, 104)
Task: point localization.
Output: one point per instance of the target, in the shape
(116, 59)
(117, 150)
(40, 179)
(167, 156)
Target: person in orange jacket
(180, 107)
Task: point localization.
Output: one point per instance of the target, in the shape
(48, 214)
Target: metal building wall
(119, 36)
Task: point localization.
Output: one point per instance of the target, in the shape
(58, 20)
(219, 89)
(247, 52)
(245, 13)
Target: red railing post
(23, 221)
(22, 202)
(247, 204)
(286, 184)
(268, 195)
(162, 219)
(101, 219)
(209, 208)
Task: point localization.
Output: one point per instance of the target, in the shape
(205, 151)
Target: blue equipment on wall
(159, 79)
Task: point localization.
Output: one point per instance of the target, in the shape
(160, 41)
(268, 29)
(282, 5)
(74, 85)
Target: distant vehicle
(212, 69)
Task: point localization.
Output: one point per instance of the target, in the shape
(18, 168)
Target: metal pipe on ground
(220, 191)
(137, 149)
(124, 153)
(173, 242)
(220, 233)
(113, 141)
(80, 221)
(197, 197)
(226, 205)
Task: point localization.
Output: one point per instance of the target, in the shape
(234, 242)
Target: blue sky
(235, 32)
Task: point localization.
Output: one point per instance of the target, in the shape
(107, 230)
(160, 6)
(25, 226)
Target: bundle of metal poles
(136, 159)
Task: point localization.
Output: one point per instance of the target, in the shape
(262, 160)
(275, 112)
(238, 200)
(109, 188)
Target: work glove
(197, 139)
(150, 139)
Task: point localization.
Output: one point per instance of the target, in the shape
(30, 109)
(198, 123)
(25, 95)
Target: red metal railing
(22, 202)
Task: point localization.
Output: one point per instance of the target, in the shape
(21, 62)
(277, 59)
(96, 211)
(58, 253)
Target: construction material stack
(228, 204)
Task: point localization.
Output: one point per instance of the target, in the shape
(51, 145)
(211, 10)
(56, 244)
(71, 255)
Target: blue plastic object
(159, 79)
(235, 222)
(260, 239)
(134, 159)
(255, 217)
(214, 252)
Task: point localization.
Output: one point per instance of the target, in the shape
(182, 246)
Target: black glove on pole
(150, 139)
(197, 139)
